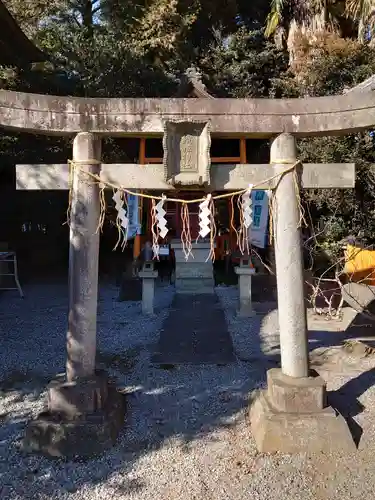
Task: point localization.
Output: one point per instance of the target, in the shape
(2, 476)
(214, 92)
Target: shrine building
(224, 150)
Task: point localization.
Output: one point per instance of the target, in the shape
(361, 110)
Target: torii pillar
(85, 411)
(83, 259)
(292, 414)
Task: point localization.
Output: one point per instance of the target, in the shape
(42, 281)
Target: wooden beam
(243, 155)
(137, 246)
(142, 151)
(153, 160)
(177, 220)
(226, 159)
(214, 159)
(148, 231)
(225, 178)
(231, 216)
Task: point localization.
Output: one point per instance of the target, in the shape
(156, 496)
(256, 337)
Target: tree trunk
(87, 16)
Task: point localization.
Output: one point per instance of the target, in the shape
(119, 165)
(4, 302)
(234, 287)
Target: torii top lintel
(46, 114)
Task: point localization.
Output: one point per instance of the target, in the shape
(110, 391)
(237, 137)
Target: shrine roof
(191, 85)
(15, 48)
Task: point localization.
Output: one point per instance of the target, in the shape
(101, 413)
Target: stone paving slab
(316, 322)
(195, 332)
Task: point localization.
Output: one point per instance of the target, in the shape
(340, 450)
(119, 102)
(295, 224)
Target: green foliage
(8, 77)
(30, 13)
(330, 64)
(140, 48)
(339, 213)
(329, 68)
(243, 65)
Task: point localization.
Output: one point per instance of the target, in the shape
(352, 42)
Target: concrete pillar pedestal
(148, 276)
(83, 418)
(292, 415)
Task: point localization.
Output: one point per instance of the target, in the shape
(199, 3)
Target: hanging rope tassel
(246, 219)
(154, 230)
(213, 232)
(185, 233)
(122, 221)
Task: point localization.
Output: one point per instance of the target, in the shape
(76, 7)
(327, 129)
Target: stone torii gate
(292, 415)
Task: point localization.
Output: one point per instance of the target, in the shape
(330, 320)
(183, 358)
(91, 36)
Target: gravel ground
(186, 436)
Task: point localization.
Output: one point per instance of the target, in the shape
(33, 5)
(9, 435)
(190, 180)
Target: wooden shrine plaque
(187, 153)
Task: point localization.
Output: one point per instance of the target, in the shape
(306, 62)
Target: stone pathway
(195, 332)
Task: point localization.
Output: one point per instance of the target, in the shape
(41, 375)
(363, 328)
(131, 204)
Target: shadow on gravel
(183, 404)
(346, 400)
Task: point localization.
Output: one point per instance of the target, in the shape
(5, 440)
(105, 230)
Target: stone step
(195, 285)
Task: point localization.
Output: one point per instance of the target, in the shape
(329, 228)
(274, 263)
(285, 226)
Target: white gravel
(186, 436)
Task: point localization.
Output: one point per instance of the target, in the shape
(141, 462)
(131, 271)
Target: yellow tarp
(360, 264)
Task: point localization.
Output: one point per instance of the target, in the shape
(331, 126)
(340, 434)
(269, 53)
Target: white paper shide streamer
(247, 210)
(161, 224)
(205, 217)
(121, 212)
(160, 217)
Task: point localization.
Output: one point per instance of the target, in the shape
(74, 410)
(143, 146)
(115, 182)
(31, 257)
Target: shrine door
(174, 216)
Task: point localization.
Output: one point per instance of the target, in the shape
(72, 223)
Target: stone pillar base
(83, 419)
(292, 417)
